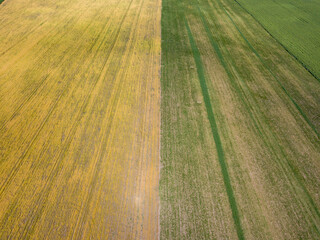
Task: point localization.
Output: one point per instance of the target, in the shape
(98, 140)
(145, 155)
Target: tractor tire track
(215, 133)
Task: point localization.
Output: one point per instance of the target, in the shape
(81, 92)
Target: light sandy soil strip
(79, 119)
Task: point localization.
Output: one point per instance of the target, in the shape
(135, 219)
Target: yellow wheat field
(79, 119)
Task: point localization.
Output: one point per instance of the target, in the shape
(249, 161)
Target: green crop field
(294, 23)
(240, 130)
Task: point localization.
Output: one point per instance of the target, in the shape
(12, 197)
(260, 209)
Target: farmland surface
(82, 141)
(240, 129)
(79, 119)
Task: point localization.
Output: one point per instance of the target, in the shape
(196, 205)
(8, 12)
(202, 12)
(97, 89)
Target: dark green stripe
(216, 136)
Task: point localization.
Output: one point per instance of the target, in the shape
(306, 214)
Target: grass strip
(215, 133)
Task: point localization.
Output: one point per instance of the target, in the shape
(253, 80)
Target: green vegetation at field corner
(294, 23)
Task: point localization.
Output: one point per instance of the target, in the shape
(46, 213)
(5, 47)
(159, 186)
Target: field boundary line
(160, 125)
(215, 133)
